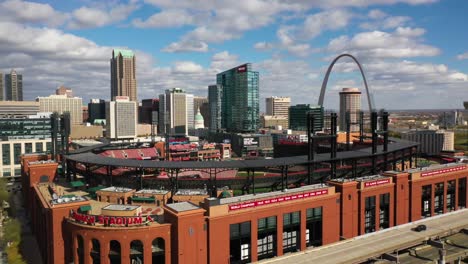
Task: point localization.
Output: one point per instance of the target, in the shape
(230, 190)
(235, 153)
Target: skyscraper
(1, 87)
(14, 86)
(121, 117)
(62, 90)
(240, 105)
(123, 76)
(277, 106)
(298, 117)
(175, 111)
(61, 104)
(350, 101)
(215, 96)
(96, 110)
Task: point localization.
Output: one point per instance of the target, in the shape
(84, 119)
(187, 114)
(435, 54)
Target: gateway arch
(327, 75)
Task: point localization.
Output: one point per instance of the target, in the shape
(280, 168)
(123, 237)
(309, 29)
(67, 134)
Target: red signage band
(110, 220)
(376, 183)
(242, 68)
(437, 172)
(277, 200)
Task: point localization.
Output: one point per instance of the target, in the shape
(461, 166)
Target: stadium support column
(54, 124)
(310, 146)
(348, 129)
(333, 145)
(361, 126)
(385, 137)
(374, 140)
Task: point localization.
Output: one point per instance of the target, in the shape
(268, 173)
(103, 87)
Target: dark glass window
(439, 198)
(96, 251)
(6, 154)
(17, 152)
(369, 211)
(314, 223)
(291, 231)
(384, 211)
(426, 201)
(28, 148)
(451, 195)
(462, 193)
(266, 242)
(39, 147)
(240, 243)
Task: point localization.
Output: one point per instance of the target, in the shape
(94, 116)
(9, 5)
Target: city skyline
(408, 48)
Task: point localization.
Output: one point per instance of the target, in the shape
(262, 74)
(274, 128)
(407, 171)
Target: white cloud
(187, 67)
(30, 12)
(327, 20)
(187, 46)
(224, 60)
(90, 17)
(376, 14)
(263, 46)
(463, 56)
(167, 19)
(402, 43)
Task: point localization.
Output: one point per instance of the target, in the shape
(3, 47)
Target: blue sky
(414, 52)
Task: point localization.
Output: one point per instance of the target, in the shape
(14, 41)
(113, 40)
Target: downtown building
(96, 111)
(176, 114)
(18, 109)
(350, 106)
(215, 101)
(298, 117)
(121, 118)
(62, 104)
(14, 86)
(240, 99)
(123, 74)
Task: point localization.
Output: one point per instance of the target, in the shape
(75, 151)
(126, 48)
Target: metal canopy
(92, 158)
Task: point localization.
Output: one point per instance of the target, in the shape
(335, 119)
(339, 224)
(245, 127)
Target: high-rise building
(121, 118)
(350, 102)
(215, 97)
(190, 111)
(175, 109)
(298, 117)
(431, 142)
(146, 110)
(1, 87)
(123, 76)
(96, 110)
(201, 103)
(62, 90)
(14, 86)
(61, 104)
(240, 105)
(18, 109)
(278, 106)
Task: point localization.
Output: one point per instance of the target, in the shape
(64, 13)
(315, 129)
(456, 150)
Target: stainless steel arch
(325, 80)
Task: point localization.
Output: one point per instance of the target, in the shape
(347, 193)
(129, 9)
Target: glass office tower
(240, 101)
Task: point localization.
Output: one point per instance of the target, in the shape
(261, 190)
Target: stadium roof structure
(85, 155)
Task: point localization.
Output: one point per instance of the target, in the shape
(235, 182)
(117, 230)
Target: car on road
(420, 228)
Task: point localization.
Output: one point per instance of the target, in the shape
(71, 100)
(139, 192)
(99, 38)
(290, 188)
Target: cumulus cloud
(168, 19)
(30, 12)
(402, 43)
(224, 60)
(90, 17)
(463, 56)
(327, 20)
(186, 46)
(263, 46)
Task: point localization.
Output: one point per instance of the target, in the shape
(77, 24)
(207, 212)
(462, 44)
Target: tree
(4, 195)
